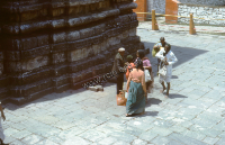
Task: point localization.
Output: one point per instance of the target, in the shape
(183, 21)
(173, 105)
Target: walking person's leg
(158, 64)
(117, 85)
(168, 85)
(120, 80)
(147, 89)
(164, 87)
(168, 89)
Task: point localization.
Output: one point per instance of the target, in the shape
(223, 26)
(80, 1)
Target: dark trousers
(119, 82)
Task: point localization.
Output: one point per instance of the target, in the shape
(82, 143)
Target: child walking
(168, 59)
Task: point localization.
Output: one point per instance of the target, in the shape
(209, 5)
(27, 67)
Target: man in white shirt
(168, 59)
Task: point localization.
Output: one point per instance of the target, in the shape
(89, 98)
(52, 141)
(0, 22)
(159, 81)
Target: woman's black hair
(169, 47)
(139, 64)
(141, 53)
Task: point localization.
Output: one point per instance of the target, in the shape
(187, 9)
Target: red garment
(129, 69)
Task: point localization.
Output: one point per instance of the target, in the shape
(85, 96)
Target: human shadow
(147, 113)
(152, 101)
(174, 96)
(174, 77)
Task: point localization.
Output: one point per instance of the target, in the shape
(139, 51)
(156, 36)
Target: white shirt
(171, 58)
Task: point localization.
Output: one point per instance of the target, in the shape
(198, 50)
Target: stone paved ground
(193, 115)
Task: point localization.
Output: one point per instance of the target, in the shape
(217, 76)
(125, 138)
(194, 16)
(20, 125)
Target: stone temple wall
(51, 46)
(209, 13)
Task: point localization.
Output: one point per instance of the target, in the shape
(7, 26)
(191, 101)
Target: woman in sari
(137, 90)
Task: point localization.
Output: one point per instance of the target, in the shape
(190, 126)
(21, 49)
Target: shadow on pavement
(174, 96)
(154, 101)
(148, 113)
(183, 54)
(174, 77)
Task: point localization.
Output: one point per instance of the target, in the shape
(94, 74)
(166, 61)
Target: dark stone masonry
(52, 46)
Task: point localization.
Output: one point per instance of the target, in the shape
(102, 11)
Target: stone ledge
(199, 5)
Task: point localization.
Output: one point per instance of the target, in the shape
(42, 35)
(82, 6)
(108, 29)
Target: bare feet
(163, 90)
(167, 96)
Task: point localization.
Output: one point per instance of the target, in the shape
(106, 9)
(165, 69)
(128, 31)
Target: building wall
(204, 2)
(158, 5)
(207, 12)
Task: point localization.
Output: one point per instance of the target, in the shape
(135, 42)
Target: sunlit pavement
(193, 115)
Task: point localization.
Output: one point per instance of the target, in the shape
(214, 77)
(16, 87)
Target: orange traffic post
(154, 22)
(192, 30)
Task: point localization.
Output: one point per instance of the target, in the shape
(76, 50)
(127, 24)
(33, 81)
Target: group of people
(137, 87)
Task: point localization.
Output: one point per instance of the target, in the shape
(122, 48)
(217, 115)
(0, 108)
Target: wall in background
(207, 12)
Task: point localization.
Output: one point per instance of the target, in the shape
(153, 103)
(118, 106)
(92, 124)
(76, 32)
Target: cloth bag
(163, 71)
(147, 75)
(126, 91)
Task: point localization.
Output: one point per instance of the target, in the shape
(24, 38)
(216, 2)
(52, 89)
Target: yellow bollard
(192, 30)
(154, 22)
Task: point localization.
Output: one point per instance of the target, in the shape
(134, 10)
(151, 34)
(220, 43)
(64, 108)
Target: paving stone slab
(140, 124)
(76, 141)
(210, 132)
(64, 124)
(17, 142)
(194, 134)
(220, 142)
(164, 123)
(21, 134)
(8, 139)
(124, 137)
(46, 142)
(210, 140)
(93, 135)
(178, 129)
(32, 139)
(10, 131)
(159, 140)
(139, 142)
(121, 143)
(108, 140)
(161, 131)
(148, 136)
(132, 131)
(185, 139)
(71, 132)
(174, 143)
(55, 139)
